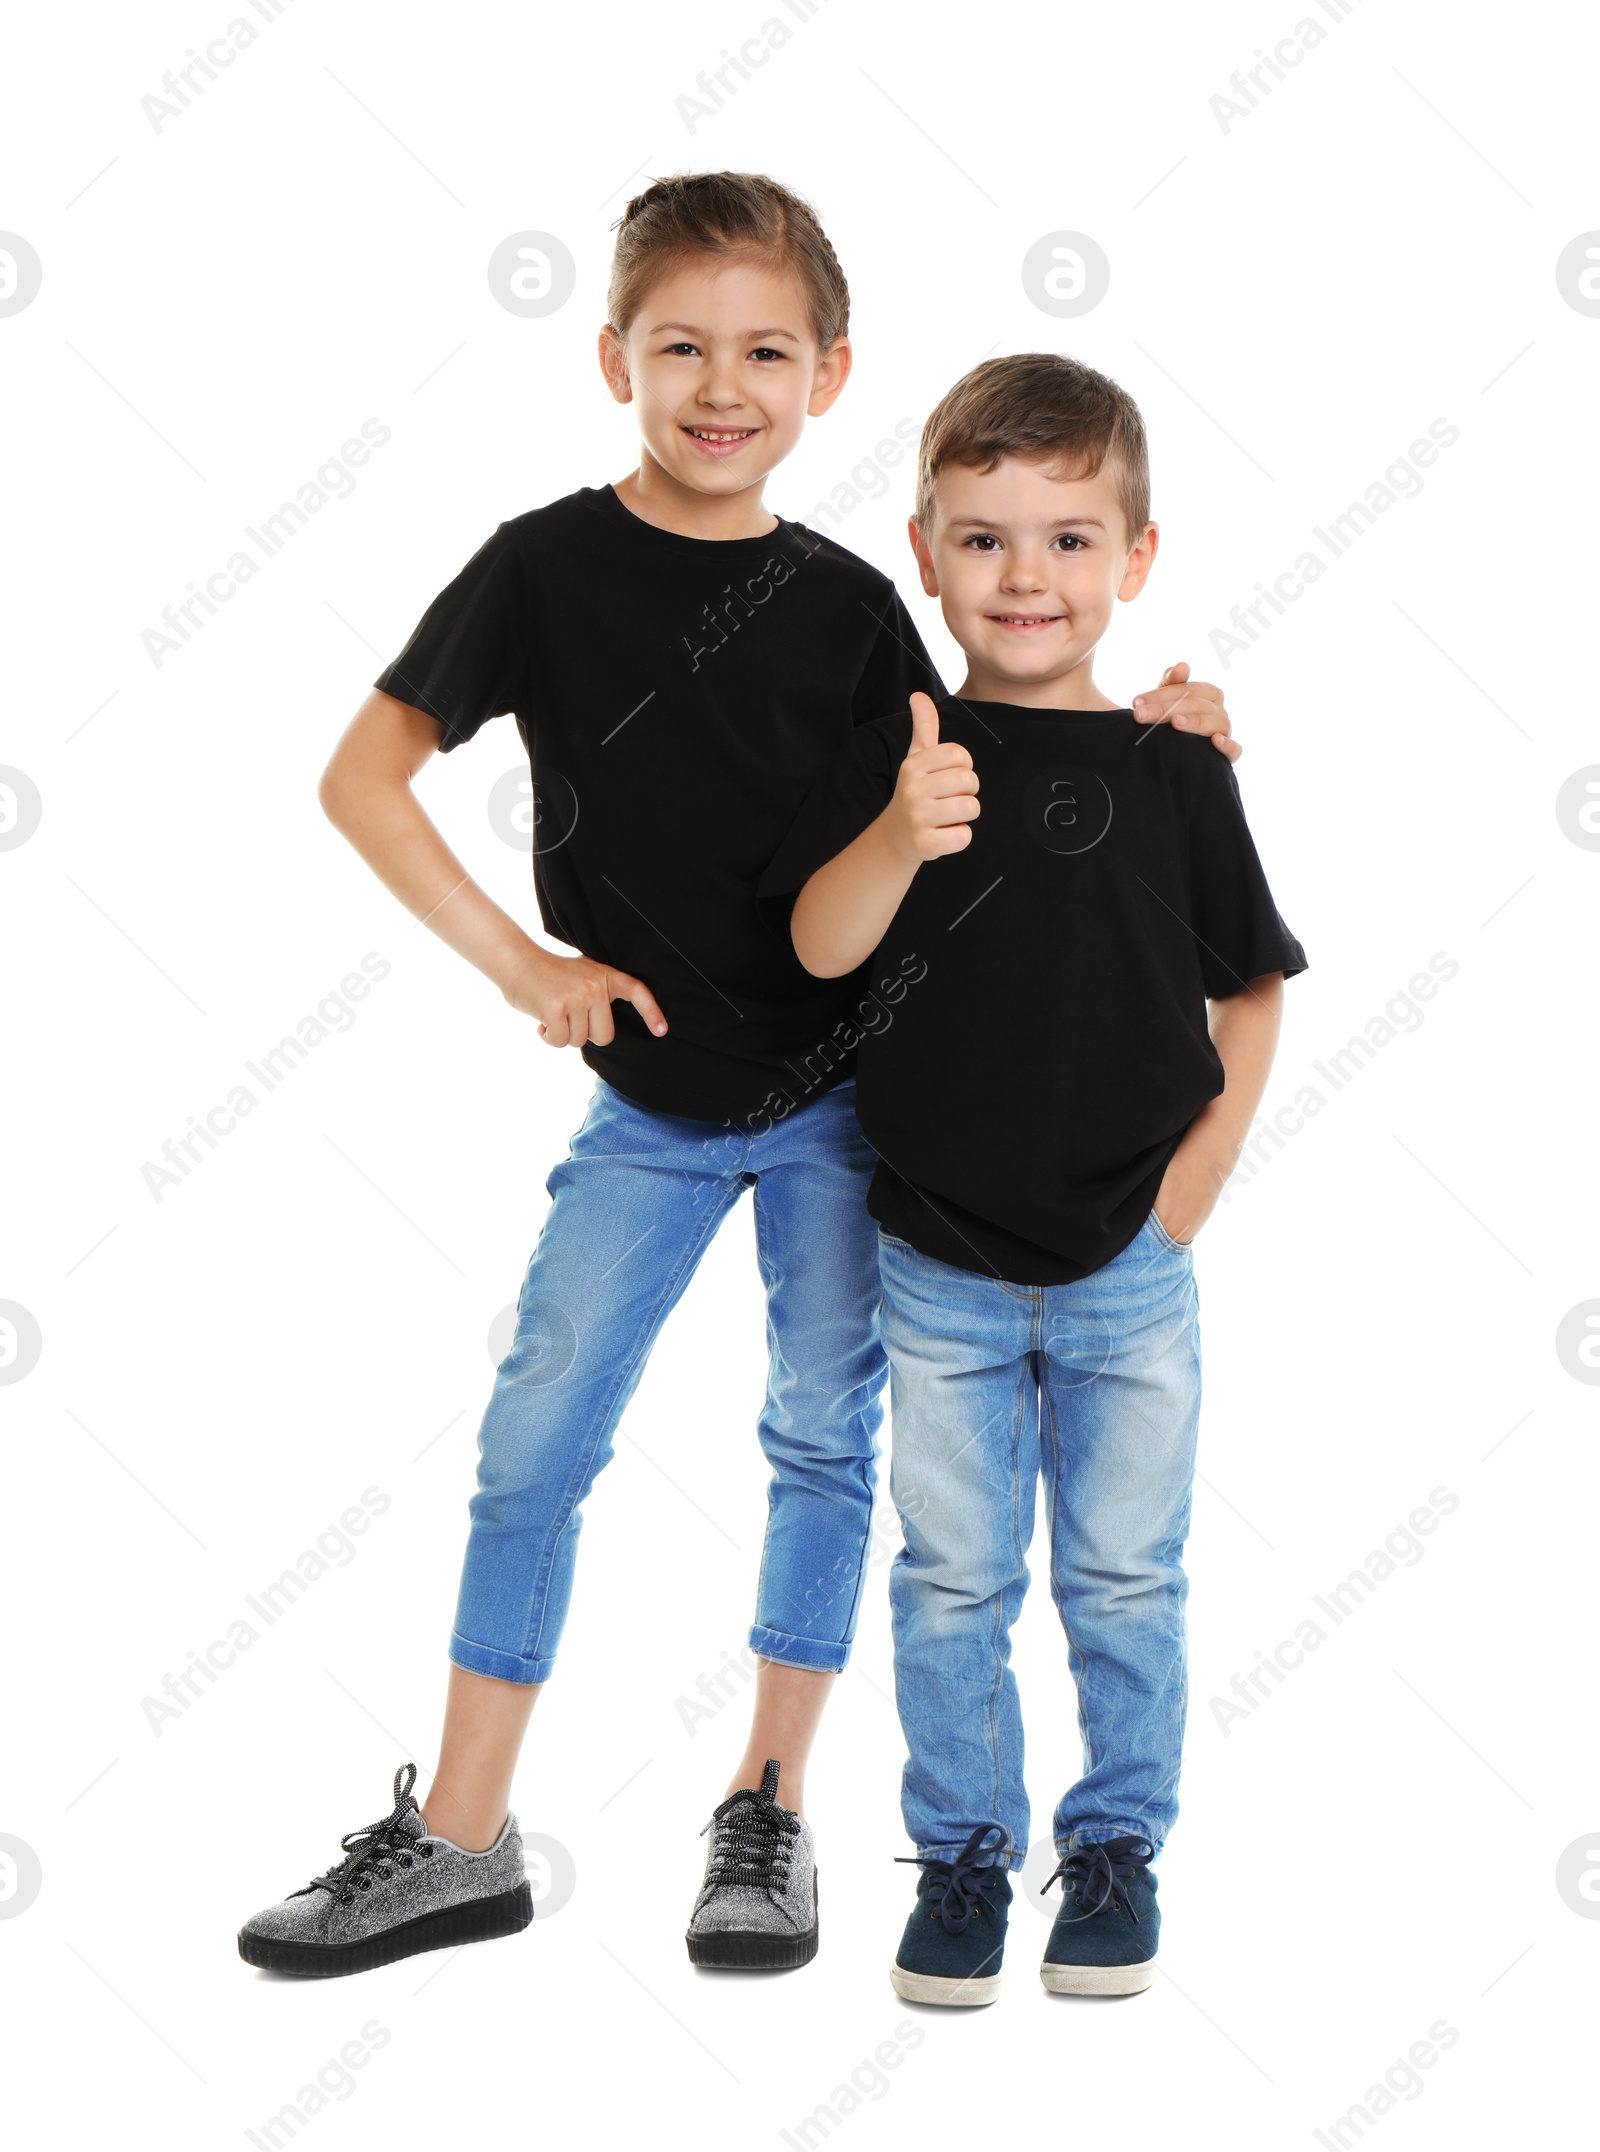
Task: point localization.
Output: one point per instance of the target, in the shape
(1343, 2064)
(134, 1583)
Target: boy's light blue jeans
(636, 1203)
(1096, 1387)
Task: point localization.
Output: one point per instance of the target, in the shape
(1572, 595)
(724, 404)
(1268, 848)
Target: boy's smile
(1027, 564)
(723, 366)
(720, 441)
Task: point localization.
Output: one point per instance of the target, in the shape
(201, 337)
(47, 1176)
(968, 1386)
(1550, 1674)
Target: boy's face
(1026, 565)
(723, 368)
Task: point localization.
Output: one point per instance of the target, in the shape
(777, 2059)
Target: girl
(683, 666)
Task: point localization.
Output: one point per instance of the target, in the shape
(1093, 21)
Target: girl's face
(722, 367)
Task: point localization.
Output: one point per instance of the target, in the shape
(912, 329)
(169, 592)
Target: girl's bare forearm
(411, 859)
(366, 794)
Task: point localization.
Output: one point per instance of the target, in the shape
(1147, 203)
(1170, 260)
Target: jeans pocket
(1178, 1247)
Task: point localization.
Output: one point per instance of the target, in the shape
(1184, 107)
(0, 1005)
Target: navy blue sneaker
(954, 1941)
(1105, 1935)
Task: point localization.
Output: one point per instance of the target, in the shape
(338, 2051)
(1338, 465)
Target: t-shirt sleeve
(465, 661)
(897, 665)
(1235, 920)
(854, 792)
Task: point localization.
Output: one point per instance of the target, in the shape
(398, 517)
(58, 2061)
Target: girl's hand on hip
(570, 997)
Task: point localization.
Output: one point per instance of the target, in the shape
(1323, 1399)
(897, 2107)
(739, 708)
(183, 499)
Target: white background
(1293, 299)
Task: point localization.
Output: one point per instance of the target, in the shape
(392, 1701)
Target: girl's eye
(684, 350)
(765, 353)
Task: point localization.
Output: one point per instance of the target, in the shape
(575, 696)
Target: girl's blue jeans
(635, 1205)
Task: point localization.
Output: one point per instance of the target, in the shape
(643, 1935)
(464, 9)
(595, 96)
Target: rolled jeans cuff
(498, 1665)
(804, 1651)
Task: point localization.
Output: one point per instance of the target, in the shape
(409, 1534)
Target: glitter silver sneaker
(757, 1909)
(397, 1891)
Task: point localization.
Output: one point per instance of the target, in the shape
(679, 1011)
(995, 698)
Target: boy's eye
(981, 541)
(1070, 540)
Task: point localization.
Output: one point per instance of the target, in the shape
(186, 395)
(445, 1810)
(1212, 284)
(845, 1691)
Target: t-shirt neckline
(1023, 709)
(619, 510)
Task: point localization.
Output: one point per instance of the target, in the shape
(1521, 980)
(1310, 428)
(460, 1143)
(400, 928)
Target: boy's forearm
(1244, 1030)
(844, 911)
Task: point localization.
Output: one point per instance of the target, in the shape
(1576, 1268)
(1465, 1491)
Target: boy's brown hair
(728, 214)
(1048, 409)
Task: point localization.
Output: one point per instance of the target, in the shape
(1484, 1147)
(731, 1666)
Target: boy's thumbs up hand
(936, 795)
(924, 722)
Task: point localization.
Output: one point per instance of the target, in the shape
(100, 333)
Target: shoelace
(1099, 1874)
(754, 1838)
(953, 1890)
(376, 1846)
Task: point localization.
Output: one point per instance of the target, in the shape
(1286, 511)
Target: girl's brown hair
(729, 214)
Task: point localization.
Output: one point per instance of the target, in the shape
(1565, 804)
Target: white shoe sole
(936, 1988)
(1098, 1979)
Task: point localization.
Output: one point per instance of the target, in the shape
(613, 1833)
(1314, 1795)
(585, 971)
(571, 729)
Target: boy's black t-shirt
(678, 698)
(1036, 1044)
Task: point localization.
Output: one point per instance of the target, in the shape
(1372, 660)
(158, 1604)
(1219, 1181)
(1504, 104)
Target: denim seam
(857, 1413)
(602, 1418)
(868, 1488)
(1020, 1558)
(1058, 1590)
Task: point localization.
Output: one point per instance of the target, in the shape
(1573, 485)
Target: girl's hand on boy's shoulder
(571, 997)
(1188, 706)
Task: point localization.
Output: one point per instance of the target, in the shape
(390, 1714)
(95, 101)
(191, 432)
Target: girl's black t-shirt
(678, 698)
(1034, 1038)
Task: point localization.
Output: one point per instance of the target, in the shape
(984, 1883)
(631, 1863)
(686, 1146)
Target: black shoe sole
(746, 1950)
(478, 1920)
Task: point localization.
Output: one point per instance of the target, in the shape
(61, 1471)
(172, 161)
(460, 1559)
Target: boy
(1053, 1122)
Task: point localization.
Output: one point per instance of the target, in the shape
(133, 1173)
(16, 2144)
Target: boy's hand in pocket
(1189, 1191)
